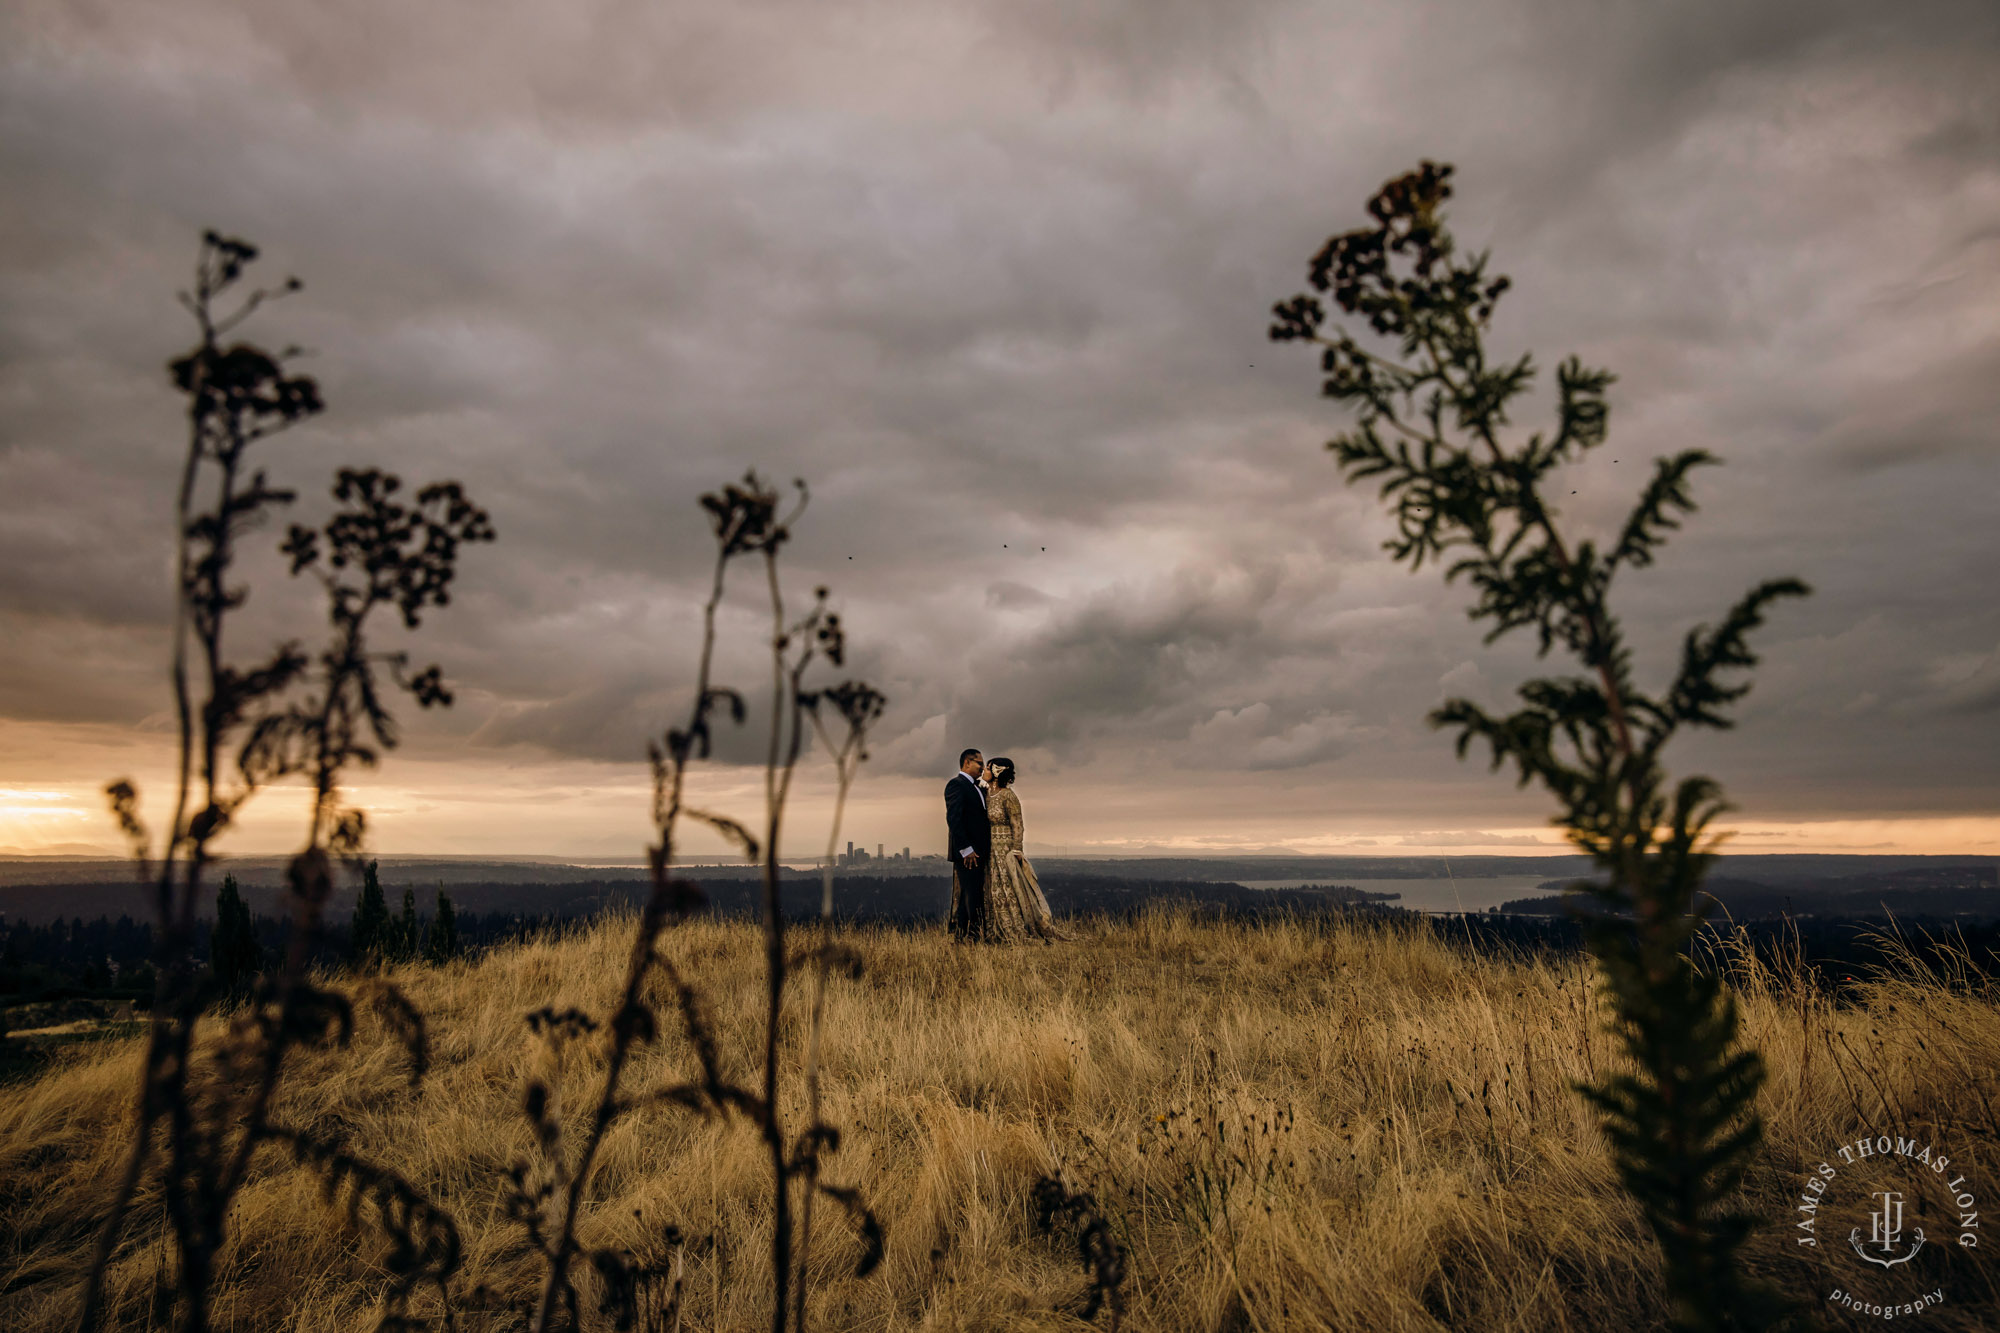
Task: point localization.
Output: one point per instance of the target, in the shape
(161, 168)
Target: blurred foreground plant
(1431, 418)
(746, 520)
(205, 1110)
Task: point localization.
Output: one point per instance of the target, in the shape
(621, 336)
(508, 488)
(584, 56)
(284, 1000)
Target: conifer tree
(1432, 427)
(233, 952)
(404, 930)
(371, 918)
(441, 944)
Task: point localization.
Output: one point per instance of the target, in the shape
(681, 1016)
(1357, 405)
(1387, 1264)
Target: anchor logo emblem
(1885, 1229)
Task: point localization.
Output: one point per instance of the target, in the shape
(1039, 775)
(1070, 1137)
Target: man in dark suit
(971, 842)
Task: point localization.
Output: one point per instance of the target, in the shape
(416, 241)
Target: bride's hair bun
(1003, 772)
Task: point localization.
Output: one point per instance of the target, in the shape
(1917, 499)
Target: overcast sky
(995, 279)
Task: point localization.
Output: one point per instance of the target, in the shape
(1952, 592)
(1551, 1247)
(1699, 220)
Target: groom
(971, 843)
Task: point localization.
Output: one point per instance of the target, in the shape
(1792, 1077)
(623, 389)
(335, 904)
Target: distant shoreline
(40, 888)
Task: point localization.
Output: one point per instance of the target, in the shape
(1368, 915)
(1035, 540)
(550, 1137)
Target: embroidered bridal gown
(1015, 907)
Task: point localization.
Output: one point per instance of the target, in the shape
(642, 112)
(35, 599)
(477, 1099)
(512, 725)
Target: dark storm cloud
(994, 279)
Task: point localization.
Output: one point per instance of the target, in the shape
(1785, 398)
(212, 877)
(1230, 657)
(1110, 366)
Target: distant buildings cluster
(859, 856)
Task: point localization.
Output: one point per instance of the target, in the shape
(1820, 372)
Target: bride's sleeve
(1014, 817)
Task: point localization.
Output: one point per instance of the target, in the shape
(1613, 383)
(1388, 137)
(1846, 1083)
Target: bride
(1015, 907)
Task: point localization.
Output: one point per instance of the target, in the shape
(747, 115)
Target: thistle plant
(747, 520)
(1431, 426)
(375, 554)
(238, 395)
(856, 705)
(207, 1110)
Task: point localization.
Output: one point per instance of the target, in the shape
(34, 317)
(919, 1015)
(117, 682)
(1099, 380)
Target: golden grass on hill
(1291, 1125)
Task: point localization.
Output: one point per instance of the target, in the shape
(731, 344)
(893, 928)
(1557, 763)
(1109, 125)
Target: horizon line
(1163, 854)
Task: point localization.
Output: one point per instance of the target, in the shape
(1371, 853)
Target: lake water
(1428, 895)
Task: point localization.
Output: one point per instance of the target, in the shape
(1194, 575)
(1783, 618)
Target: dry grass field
(1291, 1125)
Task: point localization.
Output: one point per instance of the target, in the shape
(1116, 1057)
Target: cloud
(1006, 595)
(1475, 838)
(994, 279)
(1249, 738)
(921, 750)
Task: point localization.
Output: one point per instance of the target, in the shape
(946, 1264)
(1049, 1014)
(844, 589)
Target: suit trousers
(968, 900)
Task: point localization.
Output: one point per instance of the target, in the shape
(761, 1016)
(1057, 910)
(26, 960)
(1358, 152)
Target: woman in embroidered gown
(1015, 907)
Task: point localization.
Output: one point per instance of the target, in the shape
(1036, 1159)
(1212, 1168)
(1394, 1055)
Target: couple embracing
(994, 895)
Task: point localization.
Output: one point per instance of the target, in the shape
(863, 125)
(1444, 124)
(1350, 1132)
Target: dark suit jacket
(965, 820)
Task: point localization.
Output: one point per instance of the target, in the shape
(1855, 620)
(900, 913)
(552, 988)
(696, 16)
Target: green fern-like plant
(1467, 493)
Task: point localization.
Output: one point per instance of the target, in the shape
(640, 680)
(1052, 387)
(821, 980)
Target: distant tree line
(1949, 894)
(111, 960)
(376, 937)
(1841, 949)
